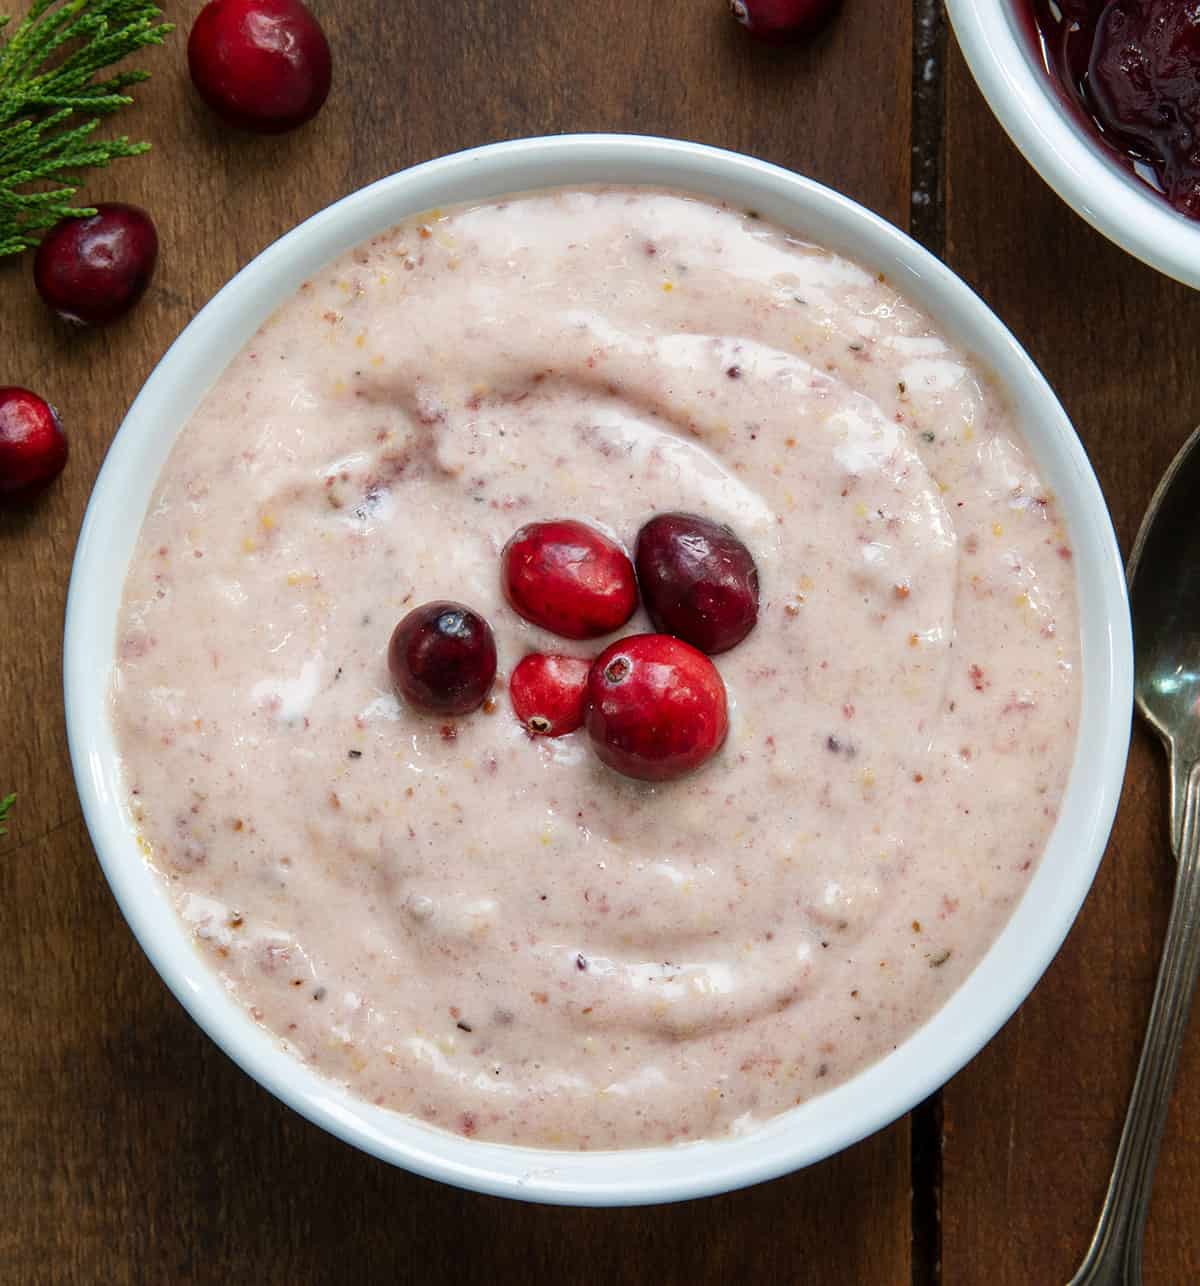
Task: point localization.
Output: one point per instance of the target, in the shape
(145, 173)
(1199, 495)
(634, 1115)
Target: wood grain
(133, 1150)
(1031, 1125)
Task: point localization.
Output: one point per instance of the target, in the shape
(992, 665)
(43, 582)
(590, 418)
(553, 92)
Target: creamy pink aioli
(499, 935)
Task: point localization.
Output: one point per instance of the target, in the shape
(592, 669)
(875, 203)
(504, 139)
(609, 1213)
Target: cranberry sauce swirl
(1133, 66)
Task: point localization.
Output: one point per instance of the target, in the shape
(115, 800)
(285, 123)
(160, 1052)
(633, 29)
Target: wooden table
(132, 1149)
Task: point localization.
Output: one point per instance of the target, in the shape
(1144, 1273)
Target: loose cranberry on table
(549, 693)
(569, 578)
(778, 20)
(93, 270)
(262, 65)
(656, 707)
(442, 658)
(698, 580)
(33, 446)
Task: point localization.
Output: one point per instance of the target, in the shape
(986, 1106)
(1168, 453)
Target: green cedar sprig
(52, 98)
(5, 808)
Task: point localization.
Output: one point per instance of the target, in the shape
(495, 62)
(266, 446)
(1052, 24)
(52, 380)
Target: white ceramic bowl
(1041, 120)
(846, 1113)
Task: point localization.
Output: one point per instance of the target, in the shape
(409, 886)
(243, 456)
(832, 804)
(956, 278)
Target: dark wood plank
(134, 1151)
(1032, 1124)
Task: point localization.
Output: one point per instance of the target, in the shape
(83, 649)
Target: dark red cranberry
(569, 578)
(779, 20)
(33, 446)
(698, 580)
(442, 658)
(549, 693)
(262, 65)
(656, 707)
(94, 270)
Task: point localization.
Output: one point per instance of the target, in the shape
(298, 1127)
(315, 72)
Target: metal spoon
(1164, 581)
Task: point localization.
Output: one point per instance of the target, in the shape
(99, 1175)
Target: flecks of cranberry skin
(656, 707)
(261, 65)
(549, 693)
(698, 580)
(569, 578)
(781, 20)
(33, 446)
(93, 270)
(442, 658)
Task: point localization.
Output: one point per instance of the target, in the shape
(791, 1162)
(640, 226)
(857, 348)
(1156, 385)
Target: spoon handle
(1115, 1255)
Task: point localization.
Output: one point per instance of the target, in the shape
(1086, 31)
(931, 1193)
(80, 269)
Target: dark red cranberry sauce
(1133, 66)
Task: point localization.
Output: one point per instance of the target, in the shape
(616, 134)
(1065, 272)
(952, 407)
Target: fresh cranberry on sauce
(442, 658)
(779, 20)
(656, 707)
(262, 65)
(549, 693)
(33, 446)
(698, 580)
(93, 270)
(569, 578)
(1134, 67)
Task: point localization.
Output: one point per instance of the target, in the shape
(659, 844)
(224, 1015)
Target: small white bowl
(809, 1132)
(1041, 120)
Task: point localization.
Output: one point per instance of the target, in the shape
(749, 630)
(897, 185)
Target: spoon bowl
(1164, 576)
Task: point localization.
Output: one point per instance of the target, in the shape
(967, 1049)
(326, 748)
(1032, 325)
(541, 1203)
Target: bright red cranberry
(33, 446)
(698, 580)
(656, 707)
(569, 578)
(779, 20)
(262, 65)
(549, 693)
(94, 270)
(442, 658)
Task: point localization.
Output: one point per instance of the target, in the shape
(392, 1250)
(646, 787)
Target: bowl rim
(824, 1125)
(1027, 103)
